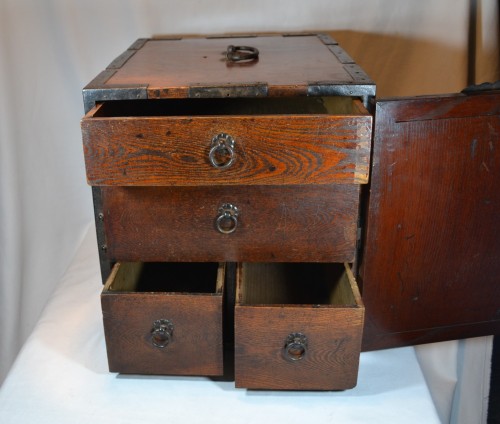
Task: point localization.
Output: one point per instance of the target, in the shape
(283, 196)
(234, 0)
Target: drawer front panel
(138, 344)
(294, 346)
(290, 224)
(267, 150)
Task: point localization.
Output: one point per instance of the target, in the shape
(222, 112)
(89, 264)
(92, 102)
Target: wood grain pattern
(431, 259)
(270, 150)
(333, 334)
(286, 64)
(289, 223)
(196, 347)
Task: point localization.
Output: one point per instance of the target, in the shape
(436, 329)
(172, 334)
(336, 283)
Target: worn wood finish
(302, 148)
(129, 313)
(270, 306)
(286, 65)
(431, 257)
(269, 149)
(301, 223)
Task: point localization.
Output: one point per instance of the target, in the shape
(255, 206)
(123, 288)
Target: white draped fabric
(49, 49)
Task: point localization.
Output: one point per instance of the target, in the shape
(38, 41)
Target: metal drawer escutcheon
(221, 153)
(161, 333)
(295, 346)
(227, 220)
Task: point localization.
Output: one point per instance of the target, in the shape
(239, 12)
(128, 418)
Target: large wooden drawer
(297, 326)
(185, 142)
(287, 224)
(162, 318)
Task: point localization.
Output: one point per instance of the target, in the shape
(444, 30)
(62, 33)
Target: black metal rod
(471, 43)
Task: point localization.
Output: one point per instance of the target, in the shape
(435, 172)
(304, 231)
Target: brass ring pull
(241, 53)
(161, 333)
(221, 153)
(227, 220)
(295, 346)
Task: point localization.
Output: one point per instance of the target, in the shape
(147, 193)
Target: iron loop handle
(221, 153)
(295, 346)
(161, 333)
(241, 53)
(227, 220)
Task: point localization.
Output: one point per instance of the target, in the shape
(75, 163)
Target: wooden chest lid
(287, 65)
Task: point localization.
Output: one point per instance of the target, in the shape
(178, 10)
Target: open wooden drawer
(297, 326)
(164, 318)
(200, 142)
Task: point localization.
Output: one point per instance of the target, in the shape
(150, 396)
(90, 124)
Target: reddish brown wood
(290, 224)
(333, 334)
(270, 150)
(431, 256)
(196, 347)
(170, 67)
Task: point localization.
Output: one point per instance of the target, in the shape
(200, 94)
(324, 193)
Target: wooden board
(431, 259)
(288, 223)
(268, 149)
(128, 315)
(332, 329)
(169, 68)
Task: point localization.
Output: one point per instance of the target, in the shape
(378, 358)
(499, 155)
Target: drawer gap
(318, 284)
(168, 277)
(334, 105)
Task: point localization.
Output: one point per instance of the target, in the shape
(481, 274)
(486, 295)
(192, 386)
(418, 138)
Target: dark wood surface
(287, 224)
(431, 258)
(196, 347)
(269, 150)
(333, 333)
(286, 64)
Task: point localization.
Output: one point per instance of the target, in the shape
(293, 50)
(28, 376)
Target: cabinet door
(430, 263)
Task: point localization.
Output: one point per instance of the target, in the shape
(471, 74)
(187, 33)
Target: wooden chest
(234, 215)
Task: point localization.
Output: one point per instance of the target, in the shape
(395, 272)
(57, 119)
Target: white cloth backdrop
(49, 49)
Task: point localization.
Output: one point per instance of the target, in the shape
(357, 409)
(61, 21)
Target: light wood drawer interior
(164, 318)
(297, 326)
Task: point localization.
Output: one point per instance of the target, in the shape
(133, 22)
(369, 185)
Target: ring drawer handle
(241, 53)
(161, 333)
(227, 220)
(295, 346)
(221, 153)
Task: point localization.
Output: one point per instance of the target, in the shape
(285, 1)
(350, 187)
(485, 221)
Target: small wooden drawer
(297, 326)
(164, 318)
(273, 224)
(200, 142)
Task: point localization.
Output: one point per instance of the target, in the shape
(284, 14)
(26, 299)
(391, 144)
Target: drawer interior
(317, 284)
(170, 277)
(334, 105)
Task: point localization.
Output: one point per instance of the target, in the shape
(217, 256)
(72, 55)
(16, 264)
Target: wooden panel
(288, 64)
(332, 329)
(269, 150)
(431, 259)
(300, 223)
(196, 346)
